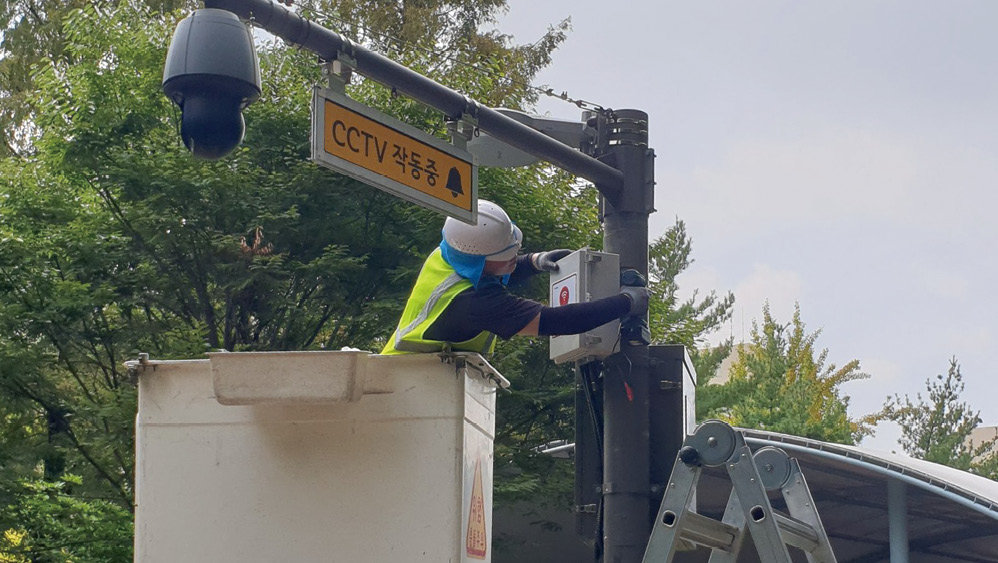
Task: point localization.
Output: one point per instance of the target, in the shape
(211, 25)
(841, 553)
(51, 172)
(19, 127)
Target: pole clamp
(463, 128)
(610, 488)
(339, 71)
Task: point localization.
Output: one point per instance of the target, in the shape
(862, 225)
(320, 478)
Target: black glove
(639, 299)
(546, 261)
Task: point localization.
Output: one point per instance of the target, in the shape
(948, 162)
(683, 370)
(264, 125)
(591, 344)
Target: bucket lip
(472, 361)
(265, 353)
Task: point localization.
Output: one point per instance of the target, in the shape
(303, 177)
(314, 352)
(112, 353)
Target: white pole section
(897, 515)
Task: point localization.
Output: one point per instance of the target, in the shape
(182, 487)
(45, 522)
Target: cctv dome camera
(212, 73)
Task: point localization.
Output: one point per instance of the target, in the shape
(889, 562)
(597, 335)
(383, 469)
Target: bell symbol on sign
(454, 182)
(563, 296)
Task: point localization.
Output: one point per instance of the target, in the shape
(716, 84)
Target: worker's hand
(547, 261)
(639, 299)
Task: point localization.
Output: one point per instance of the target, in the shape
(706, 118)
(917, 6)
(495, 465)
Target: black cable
(590, 376)
(591, 373)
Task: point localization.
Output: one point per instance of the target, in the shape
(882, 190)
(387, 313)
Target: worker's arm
(532, 326)
(495, 310)
(577, 318)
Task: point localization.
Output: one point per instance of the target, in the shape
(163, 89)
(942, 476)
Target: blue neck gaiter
(469, 266)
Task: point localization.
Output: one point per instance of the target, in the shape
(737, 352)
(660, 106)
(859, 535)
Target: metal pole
(328, 45)
(626, 483)
(897, 516)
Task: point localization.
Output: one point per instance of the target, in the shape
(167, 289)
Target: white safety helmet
(495, 237)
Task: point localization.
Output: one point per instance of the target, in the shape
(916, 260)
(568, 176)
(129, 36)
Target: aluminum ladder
(713, 444)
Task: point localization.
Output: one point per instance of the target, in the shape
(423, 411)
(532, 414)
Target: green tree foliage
(674, 321)
(115, 241)
(60, 369)
(447, 41)
(48, 522)
(938, 427)
(689, 321)
(75, 299)
(781, 383)
(31, 32)
(12, 547)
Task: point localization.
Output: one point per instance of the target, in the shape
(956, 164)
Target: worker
(461, 302)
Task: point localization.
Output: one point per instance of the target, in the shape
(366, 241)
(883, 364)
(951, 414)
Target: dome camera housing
(212, 73)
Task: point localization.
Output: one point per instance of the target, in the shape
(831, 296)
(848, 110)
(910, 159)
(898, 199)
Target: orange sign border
(374, 155)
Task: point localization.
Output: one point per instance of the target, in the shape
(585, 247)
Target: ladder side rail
(672, 513)
(801, 506)
(759, 515)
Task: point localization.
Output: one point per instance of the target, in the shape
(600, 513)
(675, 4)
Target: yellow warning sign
(396, 155)
(476, 541)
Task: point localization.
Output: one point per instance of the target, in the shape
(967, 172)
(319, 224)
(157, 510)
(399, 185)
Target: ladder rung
(707, 531)
(797, 533)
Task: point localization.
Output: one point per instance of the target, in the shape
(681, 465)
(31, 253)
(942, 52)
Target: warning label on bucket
(476, 542)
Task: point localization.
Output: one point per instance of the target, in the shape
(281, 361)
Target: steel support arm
(296, 30)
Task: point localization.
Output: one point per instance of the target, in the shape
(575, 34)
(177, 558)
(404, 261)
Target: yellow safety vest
(435, 288)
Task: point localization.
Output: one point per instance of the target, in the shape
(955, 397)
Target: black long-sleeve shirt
(492, 308)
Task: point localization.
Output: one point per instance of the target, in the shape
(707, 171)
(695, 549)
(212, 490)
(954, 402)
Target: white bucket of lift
(326, 456)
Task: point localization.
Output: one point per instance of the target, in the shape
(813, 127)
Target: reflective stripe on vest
(435, 288)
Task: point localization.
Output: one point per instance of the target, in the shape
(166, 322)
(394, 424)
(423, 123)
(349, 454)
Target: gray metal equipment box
(583, 276)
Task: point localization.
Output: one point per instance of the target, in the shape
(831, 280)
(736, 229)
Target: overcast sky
(837, 154)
